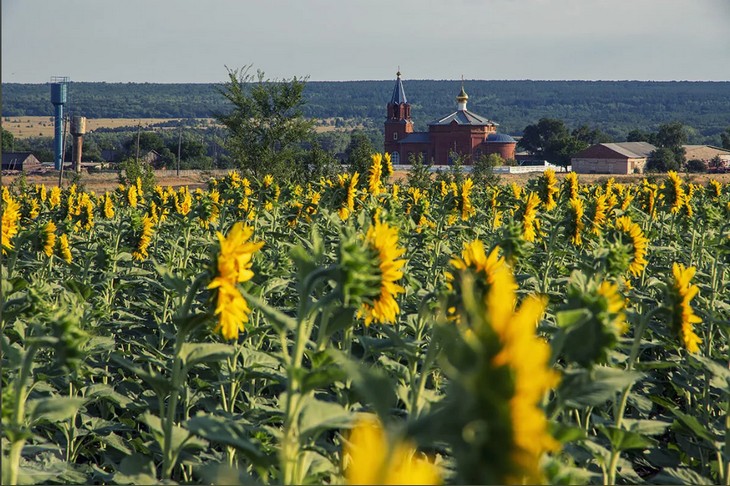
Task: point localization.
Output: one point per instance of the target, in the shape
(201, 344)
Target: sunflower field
(356, 330)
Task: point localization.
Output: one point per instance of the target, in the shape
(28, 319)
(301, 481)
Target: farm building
(612, 158)
(705, 153)
(20, 161)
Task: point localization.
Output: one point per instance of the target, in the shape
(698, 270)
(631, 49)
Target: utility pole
(63, 150)
(179, 146)
(139, 128)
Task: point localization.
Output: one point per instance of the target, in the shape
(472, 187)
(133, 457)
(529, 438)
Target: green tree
(552, 140)
(319, 163)
(672, 136)
(359, 151)
(8, 141)
(483, 170)
(265, 124)
(130, 170)
(591, 136)
(638, 136)
(696, 165)
(420, 174)
(662, 159)
(724, 137)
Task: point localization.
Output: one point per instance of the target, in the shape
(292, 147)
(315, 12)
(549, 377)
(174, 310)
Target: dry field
(42, 126)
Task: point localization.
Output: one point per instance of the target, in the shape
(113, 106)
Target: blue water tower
(59, 96)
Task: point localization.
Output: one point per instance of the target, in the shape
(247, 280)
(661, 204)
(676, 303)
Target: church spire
(399, 94)
(462, 98)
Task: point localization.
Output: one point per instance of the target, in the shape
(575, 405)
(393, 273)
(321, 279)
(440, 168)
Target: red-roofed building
(612, 158)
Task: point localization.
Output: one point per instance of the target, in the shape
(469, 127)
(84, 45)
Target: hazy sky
(192, 40)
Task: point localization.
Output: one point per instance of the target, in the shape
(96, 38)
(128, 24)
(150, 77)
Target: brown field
(100, 182)
(42, 126)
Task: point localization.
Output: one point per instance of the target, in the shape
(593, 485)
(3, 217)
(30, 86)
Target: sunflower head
(681, 292)
(592, 320)
(498, 432)
(370, 271)
(482, 267)
(371, 457)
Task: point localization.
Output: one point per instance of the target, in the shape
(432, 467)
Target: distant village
(462, 135)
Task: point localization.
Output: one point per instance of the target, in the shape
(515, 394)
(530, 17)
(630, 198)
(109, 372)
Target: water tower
(78, 130)
(59, 95)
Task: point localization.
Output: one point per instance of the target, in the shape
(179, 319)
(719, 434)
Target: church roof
(500, 138)
(463, 117)
(417, 137)
(399, 94)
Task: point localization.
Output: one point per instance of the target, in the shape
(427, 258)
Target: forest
(614, 107)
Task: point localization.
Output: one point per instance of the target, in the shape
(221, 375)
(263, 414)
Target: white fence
(503, 169)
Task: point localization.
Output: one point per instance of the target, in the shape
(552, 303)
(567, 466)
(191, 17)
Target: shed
(612, 158)
(20, 161)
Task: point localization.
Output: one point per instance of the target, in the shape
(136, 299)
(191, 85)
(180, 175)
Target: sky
(192, 41)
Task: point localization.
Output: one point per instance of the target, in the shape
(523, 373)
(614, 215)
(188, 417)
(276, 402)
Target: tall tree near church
(550, 138)
(265, 125)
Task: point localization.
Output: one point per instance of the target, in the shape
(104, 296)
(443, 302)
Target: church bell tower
(398, 120)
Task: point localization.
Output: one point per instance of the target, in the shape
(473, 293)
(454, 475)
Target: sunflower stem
(610, 478)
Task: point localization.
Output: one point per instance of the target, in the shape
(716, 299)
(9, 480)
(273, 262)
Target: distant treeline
(615, 107)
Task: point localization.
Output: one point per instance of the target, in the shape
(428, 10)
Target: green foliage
(265, 123)
(358, 152)
(8, 141)
(696, 166)
(130, 170)
(551, 139)
(420, 174)
(319, 163)
(483, 169)
(725, 138)
(662, 160)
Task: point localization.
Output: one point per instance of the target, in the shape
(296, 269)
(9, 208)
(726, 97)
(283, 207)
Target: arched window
(395, 157)
(395, 135)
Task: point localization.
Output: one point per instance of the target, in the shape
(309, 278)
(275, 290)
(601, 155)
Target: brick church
(462, 132)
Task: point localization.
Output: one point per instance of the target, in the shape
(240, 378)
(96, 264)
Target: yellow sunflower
(62, 248)
(528, 358)
(467, 208)
(571, 185)
(108, 206)
(145, 239)
(10, 219)
(529, 218)
(575, 222)
(474, 257)
(49, 238)
(384, 241)
(234, 266)
(549, 189)
(639, 244)
(599, 214)
(372, 459)
(55, 199)
(132, 196)
(231, 308)
(375, 183)
(683, 316)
